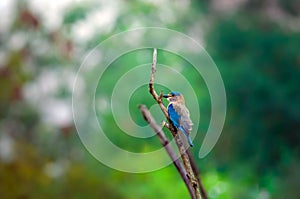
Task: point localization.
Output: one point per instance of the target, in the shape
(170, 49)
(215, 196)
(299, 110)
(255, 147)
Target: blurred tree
(254, 43)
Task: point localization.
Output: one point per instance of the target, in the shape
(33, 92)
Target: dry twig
(188, 162)
(165, 142)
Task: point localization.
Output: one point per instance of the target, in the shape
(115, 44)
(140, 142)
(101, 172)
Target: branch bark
(196, 172)
(165, 142)
(189, 164)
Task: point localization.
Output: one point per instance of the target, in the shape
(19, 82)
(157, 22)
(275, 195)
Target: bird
(179, 114)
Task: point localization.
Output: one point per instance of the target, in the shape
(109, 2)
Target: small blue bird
(179, 114)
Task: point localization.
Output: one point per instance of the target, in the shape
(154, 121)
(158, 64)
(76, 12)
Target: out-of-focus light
(51, 12)
(17, 41)
(6, 14)
(42, 93)
(6, 148)
(227, 5)
(56, 169)
(263, 194)
(100, 21)
(57, 112)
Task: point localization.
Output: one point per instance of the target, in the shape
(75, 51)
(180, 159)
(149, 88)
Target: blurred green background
(255, 44)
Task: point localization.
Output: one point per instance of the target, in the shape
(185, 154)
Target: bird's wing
(184, 120)
(186, 124)
(174, 117)
(180, 117)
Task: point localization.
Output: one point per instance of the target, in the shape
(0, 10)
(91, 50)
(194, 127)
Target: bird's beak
(166, 95)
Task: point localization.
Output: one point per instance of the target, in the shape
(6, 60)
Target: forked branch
(165, 142)
(187, 160)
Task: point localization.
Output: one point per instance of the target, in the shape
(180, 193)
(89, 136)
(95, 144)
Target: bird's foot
(164, 124)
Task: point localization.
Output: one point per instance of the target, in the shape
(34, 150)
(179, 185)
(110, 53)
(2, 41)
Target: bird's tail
(187, 136)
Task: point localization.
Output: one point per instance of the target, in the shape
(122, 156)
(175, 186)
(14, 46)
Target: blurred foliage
(255, 45)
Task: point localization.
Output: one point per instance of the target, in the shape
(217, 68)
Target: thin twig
(193, 180)
(165, 142)
(157, 98)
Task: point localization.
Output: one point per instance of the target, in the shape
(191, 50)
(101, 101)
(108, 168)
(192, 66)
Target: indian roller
(179, 114)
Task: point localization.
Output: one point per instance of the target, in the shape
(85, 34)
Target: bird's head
(174, 97)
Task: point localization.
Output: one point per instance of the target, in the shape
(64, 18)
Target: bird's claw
(164, 124)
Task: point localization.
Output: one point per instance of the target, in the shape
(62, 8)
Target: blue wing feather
(175, 118)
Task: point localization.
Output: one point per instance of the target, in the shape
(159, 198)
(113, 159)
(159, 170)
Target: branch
(165, 142)
(157, 98)
(196, 172)
(193, 180)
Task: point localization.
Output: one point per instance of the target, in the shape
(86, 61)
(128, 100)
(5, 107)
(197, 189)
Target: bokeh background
(255, 44)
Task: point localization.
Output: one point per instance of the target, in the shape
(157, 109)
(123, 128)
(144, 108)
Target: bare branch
(165, 142)
(193, 180)
(154, 62)
(157, 98)
(196, 172)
